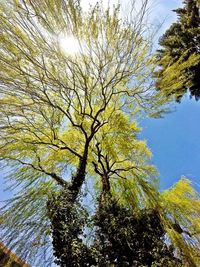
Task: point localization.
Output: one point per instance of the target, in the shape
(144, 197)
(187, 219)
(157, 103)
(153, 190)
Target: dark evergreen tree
(179, 55)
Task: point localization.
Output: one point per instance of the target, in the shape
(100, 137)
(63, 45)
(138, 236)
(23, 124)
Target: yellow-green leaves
(118, 153)
(178, 55)
(67, 116)
(181, 206)
(182, 197)
(175, 77)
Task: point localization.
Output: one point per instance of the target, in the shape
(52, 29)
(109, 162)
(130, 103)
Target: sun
(69, 44)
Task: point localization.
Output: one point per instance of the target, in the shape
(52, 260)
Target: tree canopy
(179, 54)
(68, 127)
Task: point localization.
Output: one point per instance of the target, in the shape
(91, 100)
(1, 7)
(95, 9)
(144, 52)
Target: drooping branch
(39, 168)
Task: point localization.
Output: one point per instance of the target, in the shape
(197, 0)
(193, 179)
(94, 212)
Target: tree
(124, 239)
(180, 207)
(68, 123)
(59, 110)
(179, 55)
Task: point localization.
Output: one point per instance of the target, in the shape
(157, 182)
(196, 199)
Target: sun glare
(69, 45)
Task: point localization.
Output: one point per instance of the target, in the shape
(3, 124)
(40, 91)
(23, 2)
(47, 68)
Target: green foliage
(124, 235)
(181, 213)
(127, 239)
(57, 106)
(179, 55)
(24, 224)
(68, 219)
(69, 118)
(120, 237)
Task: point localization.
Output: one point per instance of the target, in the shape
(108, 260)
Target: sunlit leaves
(181, 206)
(178, 56)
(25, 219)
(68, 117)
(56, 107)
(175, 78)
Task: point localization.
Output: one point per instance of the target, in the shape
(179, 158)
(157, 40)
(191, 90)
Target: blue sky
(173, 140)
(175, 143)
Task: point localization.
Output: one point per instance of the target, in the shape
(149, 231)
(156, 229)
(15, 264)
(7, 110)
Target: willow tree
(60, 105)
(67, 117)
